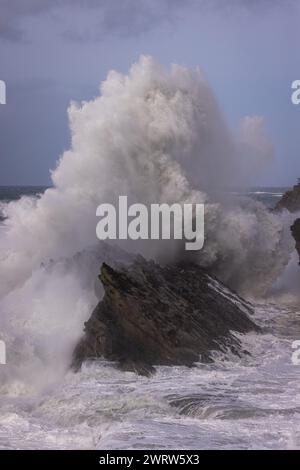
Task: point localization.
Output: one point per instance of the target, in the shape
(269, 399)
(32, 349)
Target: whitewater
(250, 403)
(156, 135)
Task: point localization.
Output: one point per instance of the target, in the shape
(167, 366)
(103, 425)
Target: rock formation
(295, 228)
(172, 315)
(290, 200)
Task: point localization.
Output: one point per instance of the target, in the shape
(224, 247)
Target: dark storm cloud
(121, 17)
(129, 17)
(12, 12)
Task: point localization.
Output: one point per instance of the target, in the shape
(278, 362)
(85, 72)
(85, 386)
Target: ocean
(252, 402)
(13, 193)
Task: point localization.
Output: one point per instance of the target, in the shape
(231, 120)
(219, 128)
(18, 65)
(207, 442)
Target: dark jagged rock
(295, 228)
(290, 200)
(173, 315)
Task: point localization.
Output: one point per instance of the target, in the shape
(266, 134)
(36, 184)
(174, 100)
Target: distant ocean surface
(9, 193)
(13, 193)
(268, 195)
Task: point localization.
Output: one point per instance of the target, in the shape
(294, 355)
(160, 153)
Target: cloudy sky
(56, 51)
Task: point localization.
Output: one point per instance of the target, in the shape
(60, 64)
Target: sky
(53, 52)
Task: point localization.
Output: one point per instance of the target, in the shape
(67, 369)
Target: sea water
(252, 402)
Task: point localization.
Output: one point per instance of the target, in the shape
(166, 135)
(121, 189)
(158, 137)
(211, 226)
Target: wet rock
(290, 200)
(172, 315)
(295, 228)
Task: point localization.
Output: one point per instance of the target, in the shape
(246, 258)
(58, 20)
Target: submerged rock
(172, 315)
(290, 200)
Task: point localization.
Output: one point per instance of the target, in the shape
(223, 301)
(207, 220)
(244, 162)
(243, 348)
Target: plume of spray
(155, 135)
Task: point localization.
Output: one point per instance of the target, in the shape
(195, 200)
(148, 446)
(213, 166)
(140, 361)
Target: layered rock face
(173, 315)
(290, 200)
